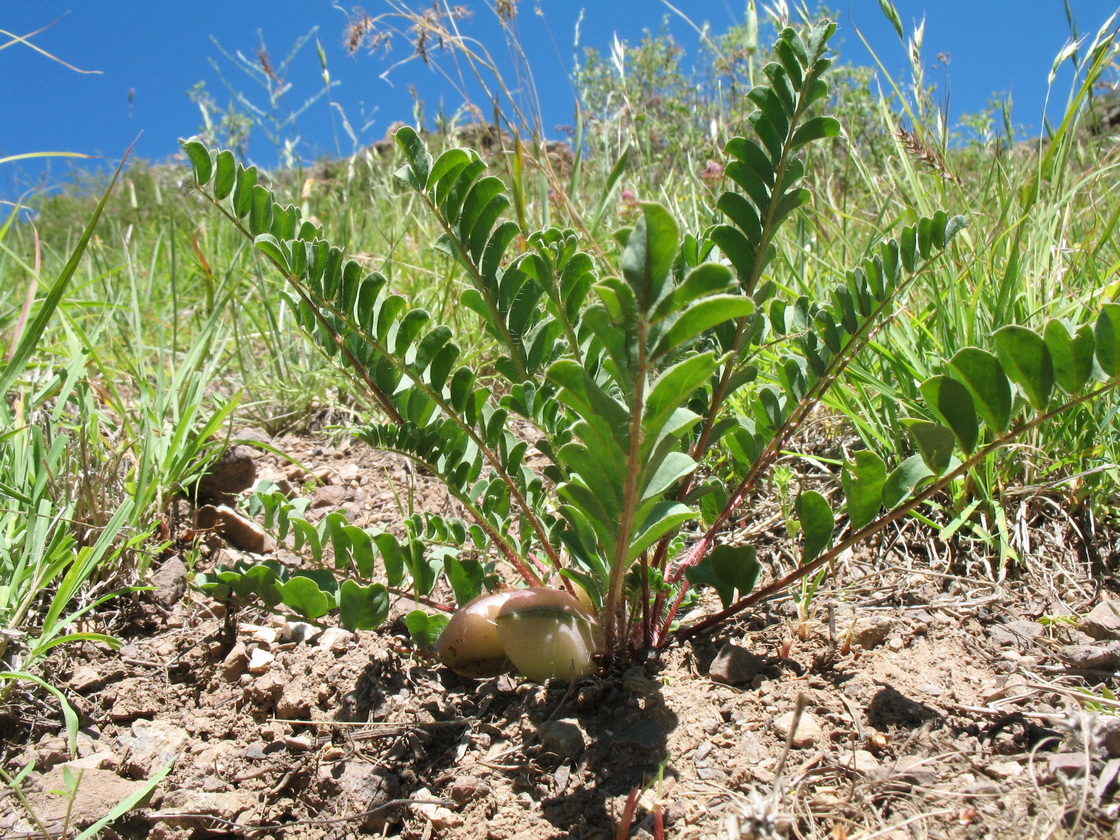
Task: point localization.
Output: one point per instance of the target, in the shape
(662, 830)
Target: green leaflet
(817, 523)
(649, 253)
(935, 444)
(466, 577)
(1107, 335)
(952, 404)
(199, 156)
(304, 596)
(862, 480)
(424, 628)
(419, 161)
(1026, 361)
(731, 570)
(904, 480)
(362, 607)
(1071, 355)
(980, 372)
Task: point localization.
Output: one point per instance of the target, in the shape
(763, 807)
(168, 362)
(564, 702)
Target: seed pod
(469, 644)
(548, 634)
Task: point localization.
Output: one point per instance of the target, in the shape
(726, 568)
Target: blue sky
(150, 54)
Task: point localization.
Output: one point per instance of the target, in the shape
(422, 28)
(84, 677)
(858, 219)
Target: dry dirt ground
(927, 696)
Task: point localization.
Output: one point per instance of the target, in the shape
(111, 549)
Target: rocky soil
(928, 695)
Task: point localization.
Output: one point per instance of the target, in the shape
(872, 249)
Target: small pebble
(260, 661)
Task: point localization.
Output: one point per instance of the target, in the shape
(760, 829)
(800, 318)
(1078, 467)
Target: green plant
(625, 367)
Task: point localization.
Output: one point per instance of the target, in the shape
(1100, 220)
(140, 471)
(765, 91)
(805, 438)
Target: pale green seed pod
(548, 634)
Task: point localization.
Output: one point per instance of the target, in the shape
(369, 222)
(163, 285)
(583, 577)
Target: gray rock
(50, 752)
(132, 698)
(365, 788)
(752, 750)
(644, 734)
(1108, 733)
(1103, 621)
(564, 737)
(913, 769)
(151, 745)
(1068, 765)
(711, 774)
(1015, 633)
(736, 665)
(170, 582)
(191, 808)
(638, 683)
(872, 631)
(236, 662)
(466, 788)
(861, 761)
(294, 703)
(98, 792)
(1105, 657)
(298, 631)
(808, 729)
(86, 679)
(336, 639)
(233, 472)
(260, 661)
(1005, 769)
(331, 495)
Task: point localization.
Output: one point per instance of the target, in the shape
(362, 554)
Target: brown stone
(239, 532)
(233, 472)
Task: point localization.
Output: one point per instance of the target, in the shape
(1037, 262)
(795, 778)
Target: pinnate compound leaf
(1107, 334)
(951, 402)
(424, 628)
(904, 480)
(935, 443)
(1072, 356)
(980, 372)
(1026, 360)
(363, 607)
(817, 523)
(862, 481)
(731, 570)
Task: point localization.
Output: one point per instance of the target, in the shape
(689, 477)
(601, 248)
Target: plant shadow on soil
(574, 748)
